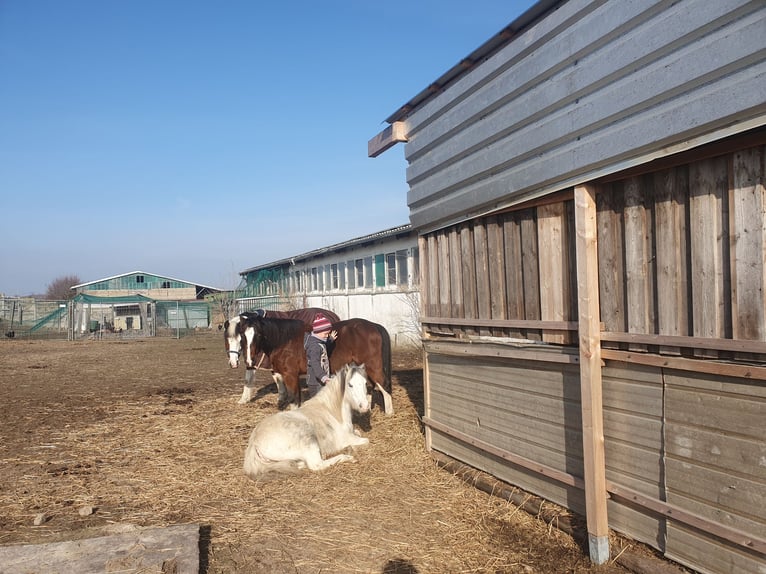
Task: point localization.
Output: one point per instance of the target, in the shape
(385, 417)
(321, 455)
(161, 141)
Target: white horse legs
(249, 391)
(388, 403)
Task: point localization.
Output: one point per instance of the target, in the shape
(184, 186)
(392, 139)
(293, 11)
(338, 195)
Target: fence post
(590, 373)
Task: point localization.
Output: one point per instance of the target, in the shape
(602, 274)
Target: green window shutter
(380, 271)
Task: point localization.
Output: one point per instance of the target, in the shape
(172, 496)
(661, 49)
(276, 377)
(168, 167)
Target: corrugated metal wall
(593, 88)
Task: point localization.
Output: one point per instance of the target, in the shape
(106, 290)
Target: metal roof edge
(337, 246)
(144, 273)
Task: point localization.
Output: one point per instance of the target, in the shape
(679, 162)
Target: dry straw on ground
(149, 433)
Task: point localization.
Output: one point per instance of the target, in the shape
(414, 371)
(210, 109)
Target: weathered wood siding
(516, 400)
(684, 383)
(681, 251)
(591, 89)
(715, 465)
(509, 275)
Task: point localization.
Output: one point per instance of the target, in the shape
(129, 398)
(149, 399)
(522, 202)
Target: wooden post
(590, 374)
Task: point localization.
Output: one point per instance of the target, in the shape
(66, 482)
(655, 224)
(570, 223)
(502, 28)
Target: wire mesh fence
(87, 317)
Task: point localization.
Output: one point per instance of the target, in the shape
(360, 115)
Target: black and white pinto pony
(314, 435)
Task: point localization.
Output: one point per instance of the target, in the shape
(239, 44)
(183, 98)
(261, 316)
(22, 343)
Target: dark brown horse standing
(281, 341)
(363, 342)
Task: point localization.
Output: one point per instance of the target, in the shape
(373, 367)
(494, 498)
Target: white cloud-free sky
(197, 139)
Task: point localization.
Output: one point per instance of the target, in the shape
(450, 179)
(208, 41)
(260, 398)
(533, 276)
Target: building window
(335, 282)
(402, 269)
(139, 278)
(165, 285)
(314, 279)
(390, 268)
(359, 272)
(351, 275)
(368, 276)
(341, 275)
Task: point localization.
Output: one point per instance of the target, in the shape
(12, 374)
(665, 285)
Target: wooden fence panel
(445, 273)
(708, 248)
(609, 217)
(457, 309)
(530, 268)
(497, 274)
(639, 256)
(514, 271)
(481, 259)
(749, 245)
(555, 269)
(468, 260)
(671, 193)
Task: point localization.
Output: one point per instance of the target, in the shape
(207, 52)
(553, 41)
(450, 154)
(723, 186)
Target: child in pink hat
(318, 362)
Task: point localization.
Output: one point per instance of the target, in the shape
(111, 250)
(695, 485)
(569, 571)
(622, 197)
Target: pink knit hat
(321, 324)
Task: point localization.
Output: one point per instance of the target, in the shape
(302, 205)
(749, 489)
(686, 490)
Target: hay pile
(149, 433)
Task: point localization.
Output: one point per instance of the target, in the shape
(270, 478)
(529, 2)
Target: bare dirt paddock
(149, 433)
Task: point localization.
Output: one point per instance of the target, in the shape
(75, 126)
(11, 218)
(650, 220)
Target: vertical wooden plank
(748, 249)
(609, 204)
(530, 268)
(497, 289)
(456, 280)
(423, 274)
(481, 256)
(670, 236)
(432, 288)
(445, 272)
(637, 258)
(707, 188)
(514, 274)
(590, 374)
(468, 260)
(554, 279)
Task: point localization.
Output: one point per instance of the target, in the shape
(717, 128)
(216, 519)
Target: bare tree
(59, 288)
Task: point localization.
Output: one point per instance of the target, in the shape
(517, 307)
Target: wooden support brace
(590, 374)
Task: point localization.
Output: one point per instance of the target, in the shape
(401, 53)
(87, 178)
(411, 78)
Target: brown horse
(363, 342)
(281, 341)
(236, 345)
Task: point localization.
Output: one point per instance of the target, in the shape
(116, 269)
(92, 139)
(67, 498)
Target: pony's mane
(333, 393)
(273, 333)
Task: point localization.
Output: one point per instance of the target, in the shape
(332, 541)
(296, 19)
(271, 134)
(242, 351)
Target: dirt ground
(149, 433)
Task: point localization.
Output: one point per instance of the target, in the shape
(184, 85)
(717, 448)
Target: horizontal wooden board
(710, 555)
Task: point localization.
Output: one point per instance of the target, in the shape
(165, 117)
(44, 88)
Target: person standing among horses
(317, 357)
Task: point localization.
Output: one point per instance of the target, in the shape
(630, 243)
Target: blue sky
(196, 139)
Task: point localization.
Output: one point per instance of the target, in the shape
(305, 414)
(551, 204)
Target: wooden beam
(502, 323)
(734, 345)
(741, 370)
(590, 374)
(531, 465)
(389, 137)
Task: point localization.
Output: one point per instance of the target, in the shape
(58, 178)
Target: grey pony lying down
(311, 436)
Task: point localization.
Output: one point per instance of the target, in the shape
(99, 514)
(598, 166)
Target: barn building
(374, 277)
(587, 188)
(139, 304)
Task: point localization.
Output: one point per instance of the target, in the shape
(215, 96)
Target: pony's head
(233, 340)
(353, 379)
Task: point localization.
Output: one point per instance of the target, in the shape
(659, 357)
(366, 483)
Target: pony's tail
(385, 355)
